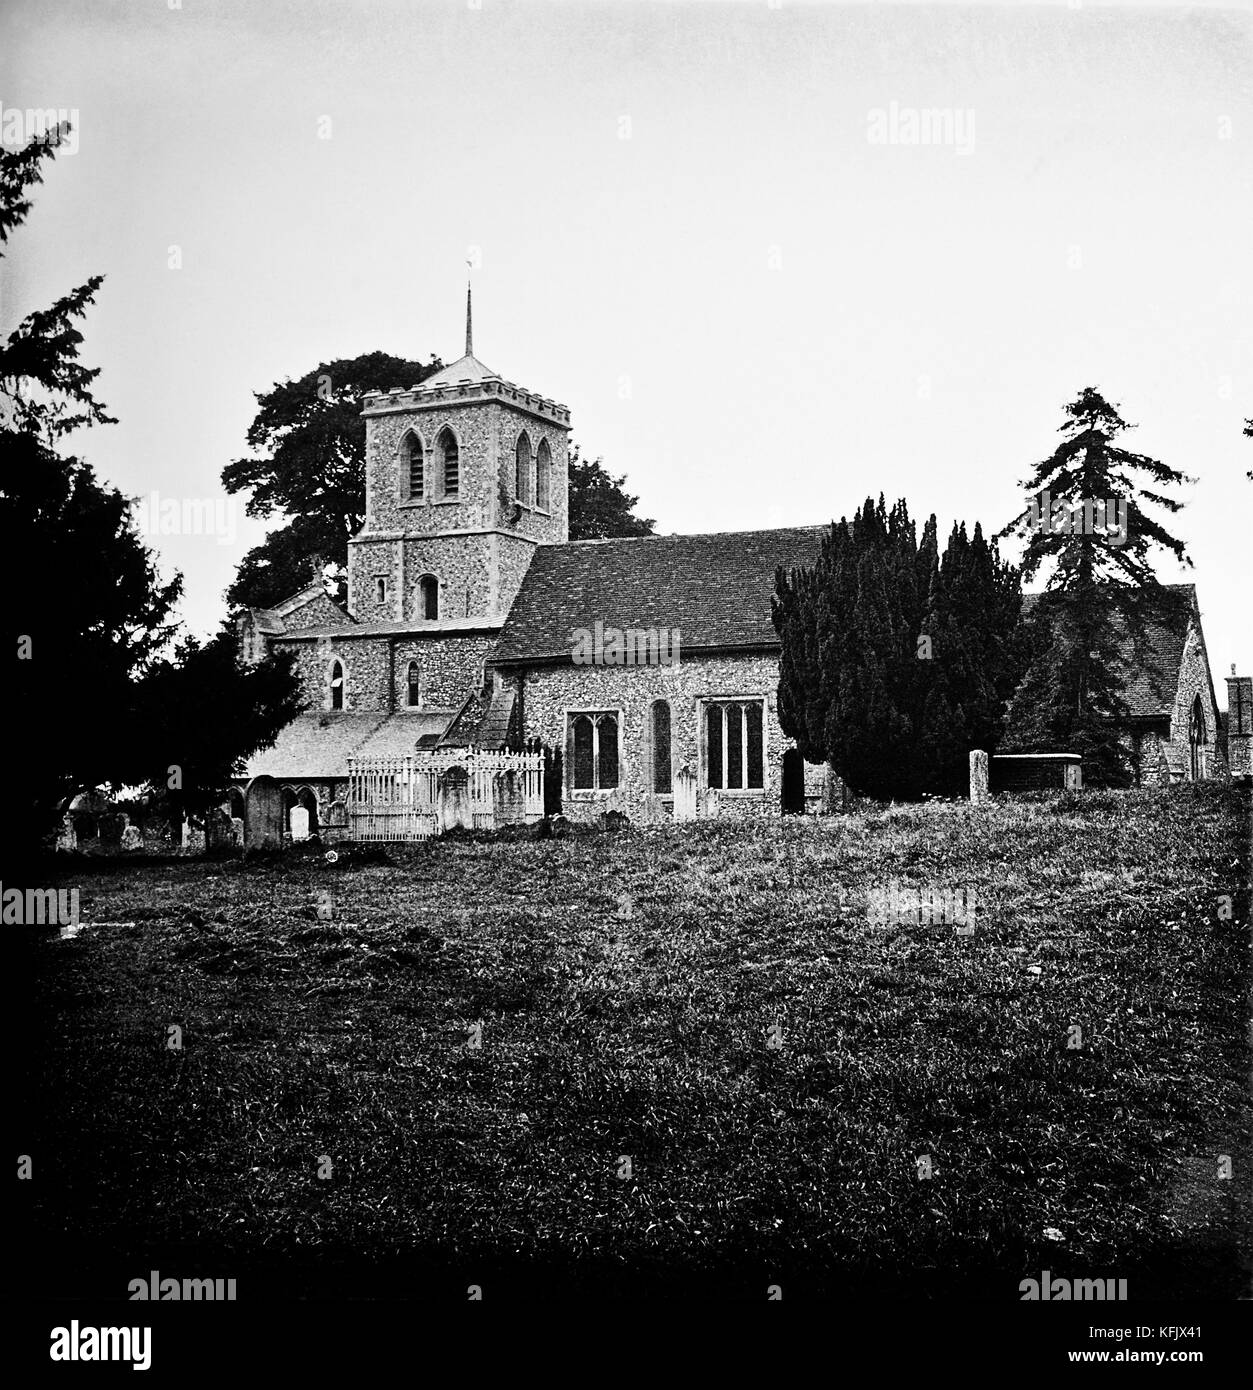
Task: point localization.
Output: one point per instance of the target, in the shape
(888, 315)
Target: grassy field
(709, 1003)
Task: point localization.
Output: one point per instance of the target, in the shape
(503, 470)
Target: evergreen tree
(1101, 586)
(895, 659)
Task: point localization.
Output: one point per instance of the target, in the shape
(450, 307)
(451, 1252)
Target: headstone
(685, 794)
(454, 807)
(237, 830)
(978, 777)
(66, 838)
(132, 838)
(299, 823)
(713, 803)
(1074, 777)
(193, 837)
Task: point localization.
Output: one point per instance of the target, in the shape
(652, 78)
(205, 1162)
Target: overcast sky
(701, 227)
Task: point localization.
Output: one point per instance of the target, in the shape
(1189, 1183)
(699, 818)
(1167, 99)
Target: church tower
(466, 474)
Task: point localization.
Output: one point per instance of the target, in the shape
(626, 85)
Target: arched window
(380, 590)
(1196, 740)
(522, 470)
(415, 472)
(415, 684)
(661, 748)
(446, 445)
(593, 752)
(428, 597)
(337, 685)
(543, 475)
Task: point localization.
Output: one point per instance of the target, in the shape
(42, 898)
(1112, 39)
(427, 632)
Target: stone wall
(550, 692)
(376, 669)
(477, 545)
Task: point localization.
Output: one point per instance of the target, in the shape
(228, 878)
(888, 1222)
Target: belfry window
(522, 470)
(416, 477)
(447, 446)
(543, 475)
(415, 684)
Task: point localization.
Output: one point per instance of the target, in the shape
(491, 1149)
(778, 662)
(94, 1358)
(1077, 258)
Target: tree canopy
(896, 660)
(1090, 518)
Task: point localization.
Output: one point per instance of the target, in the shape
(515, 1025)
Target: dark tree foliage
(897, 660)
(91, 611)
(308, 465)
(88, 626)
(599, 508)
(204, 713)
(1101, 586)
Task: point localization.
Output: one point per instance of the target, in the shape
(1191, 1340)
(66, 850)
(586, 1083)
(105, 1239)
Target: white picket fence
(423, 794)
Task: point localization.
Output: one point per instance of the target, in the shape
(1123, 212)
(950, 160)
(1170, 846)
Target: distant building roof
(715, 589)
(1151, 669)
(317, 745)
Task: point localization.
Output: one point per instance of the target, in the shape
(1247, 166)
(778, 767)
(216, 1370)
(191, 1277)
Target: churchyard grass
(699, 1067)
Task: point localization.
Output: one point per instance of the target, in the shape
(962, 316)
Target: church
(468, 619)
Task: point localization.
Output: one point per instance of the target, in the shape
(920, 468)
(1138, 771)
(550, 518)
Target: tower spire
(469, 320)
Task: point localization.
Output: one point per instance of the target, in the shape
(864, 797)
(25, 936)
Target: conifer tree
(1090, 517)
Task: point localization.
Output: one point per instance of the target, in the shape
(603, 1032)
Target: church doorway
(793, 801)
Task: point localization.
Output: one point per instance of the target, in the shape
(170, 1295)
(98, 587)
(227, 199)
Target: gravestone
(66, 838)
(978, 777)
(299, 823)
(453, 808)
(1074, 777)
(237, 830)
(685, 794)
(193, 837)
(132, 838)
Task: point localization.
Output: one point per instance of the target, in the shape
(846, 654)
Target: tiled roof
(1152, 670)
(317, 745)
(715, 589)
(467, 368)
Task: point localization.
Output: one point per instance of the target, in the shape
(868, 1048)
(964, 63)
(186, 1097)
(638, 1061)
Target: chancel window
(734, 745)
(593, 739)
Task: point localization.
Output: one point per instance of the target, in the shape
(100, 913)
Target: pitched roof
(467, 368)
(715, 589)
(318, 745)
(1152, 669)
